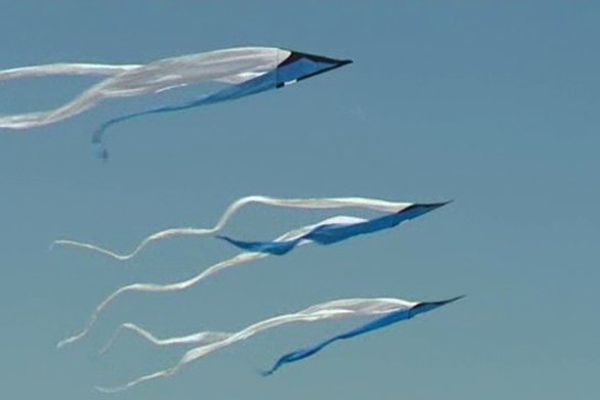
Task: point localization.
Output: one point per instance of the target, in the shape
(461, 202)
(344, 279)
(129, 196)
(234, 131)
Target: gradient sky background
(492, 104)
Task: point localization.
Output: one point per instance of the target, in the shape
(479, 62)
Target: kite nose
(448, 301)
(440, 204)
(433, 206)
(332, 64)
(338, 63)
(326, 63)
(452, 300)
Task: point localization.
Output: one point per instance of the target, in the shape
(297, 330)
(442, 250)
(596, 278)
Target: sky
(490, 104)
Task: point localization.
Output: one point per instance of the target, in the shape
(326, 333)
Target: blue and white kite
(335, 230)
(329, 231)
(244, 71)
(389, 310)
(337, 227)
(388, 319)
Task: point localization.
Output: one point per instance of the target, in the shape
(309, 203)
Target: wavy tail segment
(201, 338)
(240, 259)
(37, 71)
(310, 203)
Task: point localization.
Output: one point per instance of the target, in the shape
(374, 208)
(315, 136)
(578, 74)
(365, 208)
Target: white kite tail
(200, 338)
(83, 102)
(136, 80)
(37, 71)
(40, 118)
(325, 311)
(240, 259)
(310, 203)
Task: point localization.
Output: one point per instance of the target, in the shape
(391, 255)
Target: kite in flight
(328, 231)
(388, 310)
(336, 229)
(400, 211)
(244, 71)
(381, 322)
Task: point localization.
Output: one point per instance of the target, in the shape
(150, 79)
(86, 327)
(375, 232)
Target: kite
(384, 206)
(342, 227)
(382, 322)
(336, 229)
(390, 311)
(244, 71)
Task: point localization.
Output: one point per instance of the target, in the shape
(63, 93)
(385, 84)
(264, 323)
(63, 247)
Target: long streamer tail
(314, 203)
(240, 259)
(37, 71)
(201, 338)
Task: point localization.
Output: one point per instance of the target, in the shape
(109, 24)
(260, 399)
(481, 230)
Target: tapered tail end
(267, 372)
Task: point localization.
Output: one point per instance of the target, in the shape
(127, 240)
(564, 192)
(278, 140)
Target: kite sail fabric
(337, 229)
(246, 71)
(393, 310)
(298, 237)
(388, 207)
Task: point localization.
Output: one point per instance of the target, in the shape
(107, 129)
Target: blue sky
(492, 104)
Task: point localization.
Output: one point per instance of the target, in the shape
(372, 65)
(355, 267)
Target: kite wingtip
(432, 305)
(428, 207)
(452, 300)
(442, 203)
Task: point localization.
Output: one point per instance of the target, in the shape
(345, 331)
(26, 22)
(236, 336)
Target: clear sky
(492, 104)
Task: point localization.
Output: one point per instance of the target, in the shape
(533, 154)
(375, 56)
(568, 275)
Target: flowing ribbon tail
(252, 86)
(234, 208)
